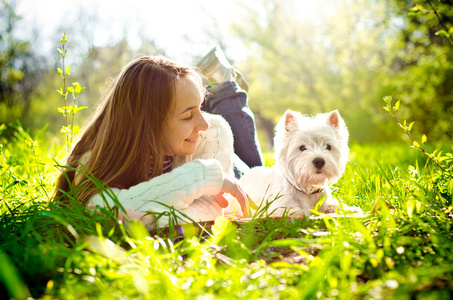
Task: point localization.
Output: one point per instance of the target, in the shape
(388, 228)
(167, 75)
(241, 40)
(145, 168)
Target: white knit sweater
(190, 183)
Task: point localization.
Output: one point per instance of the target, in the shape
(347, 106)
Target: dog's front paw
(352, 209)
(295, 213)
(330, 206)
(330, 209)
(338, 208)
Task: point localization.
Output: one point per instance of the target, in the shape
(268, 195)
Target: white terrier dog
(309, 154)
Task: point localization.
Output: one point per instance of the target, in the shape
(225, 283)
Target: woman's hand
(146, 219)
(231, 186)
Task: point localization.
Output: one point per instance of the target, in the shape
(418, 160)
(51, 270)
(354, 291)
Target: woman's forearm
(178, 188)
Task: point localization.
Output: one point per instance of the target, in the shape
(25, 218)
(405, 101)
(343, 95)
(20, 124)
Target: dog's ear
(290, 120)
(334, 119)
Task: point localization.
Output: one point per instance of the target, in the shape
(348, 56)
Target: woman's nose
(202, 124)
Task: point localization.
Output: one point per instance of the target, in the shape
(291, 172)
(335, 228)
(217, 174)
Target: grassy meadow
(402, 249)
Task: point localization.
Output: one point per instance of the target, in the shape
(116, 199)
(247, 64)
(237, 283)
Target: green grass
(403, 250)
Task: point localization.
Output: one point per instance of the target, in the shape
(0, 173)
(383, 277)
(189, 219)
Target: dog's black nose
(319, 162)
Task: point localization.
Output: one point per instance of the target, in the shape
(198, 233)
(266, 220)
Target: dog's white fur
(310, 153)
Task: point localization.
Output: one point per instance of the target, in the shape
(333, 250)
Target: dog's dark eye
(303, 148)
(328, 147)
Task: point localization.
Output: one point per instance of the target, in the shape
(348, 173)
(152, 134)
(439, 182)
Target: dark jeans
(230, 101)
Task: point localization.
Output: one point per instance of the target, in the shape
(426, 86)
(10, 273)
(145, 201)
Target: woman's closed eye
(190, 117)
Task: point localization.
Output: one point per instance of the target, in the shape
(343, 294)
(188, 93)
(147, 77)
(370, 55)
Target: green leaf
(288, 243)
(416, 145)
(76, 108)
(223, 228)
(60, 71)
(68, 70)
(439, 155)
(388, 99)
(11, 278)
(397, 105)
(71, 89)
(443, 33)
(64, 109)
(419, 206)
(17, 181)
(410, 205)
(417, 8)
(442, 158)
(386, 108)
(424, 139)
(220, 226)
(78, 87)
(410, 126)
(65, 129)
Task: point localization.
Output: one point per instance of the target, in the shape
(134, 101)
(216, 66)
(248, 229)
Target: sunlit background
(183, 28)
(309, 56)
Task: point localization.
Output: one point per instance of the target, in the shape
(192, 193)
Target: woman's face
(187, 120)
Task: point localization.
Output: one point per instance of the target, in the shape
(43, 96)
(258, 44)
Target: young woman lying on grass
(151, 144)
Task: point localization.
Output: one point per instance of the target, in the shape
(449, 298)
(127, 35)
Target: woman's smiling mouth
(192, 140)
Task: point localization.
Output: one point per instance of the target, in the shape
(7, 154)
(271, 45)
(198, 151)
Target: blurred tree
(342, 56)
(96, 71)
(422, 71)
(102, 64)
(19, 67)
(334, 59)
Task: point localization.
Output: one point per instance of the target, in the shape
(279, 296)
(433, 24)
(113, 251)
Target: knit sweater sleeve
(178, 188)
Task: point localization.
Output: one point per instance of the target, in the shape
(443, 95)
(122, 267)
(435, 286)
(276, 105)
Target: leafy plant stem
(63, 44)
(406, 130)
(75, 89)
(440, 20)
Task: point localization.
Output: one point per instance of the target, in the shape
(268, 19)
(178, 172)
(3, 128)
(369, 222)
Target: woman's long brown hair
(125, 138)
